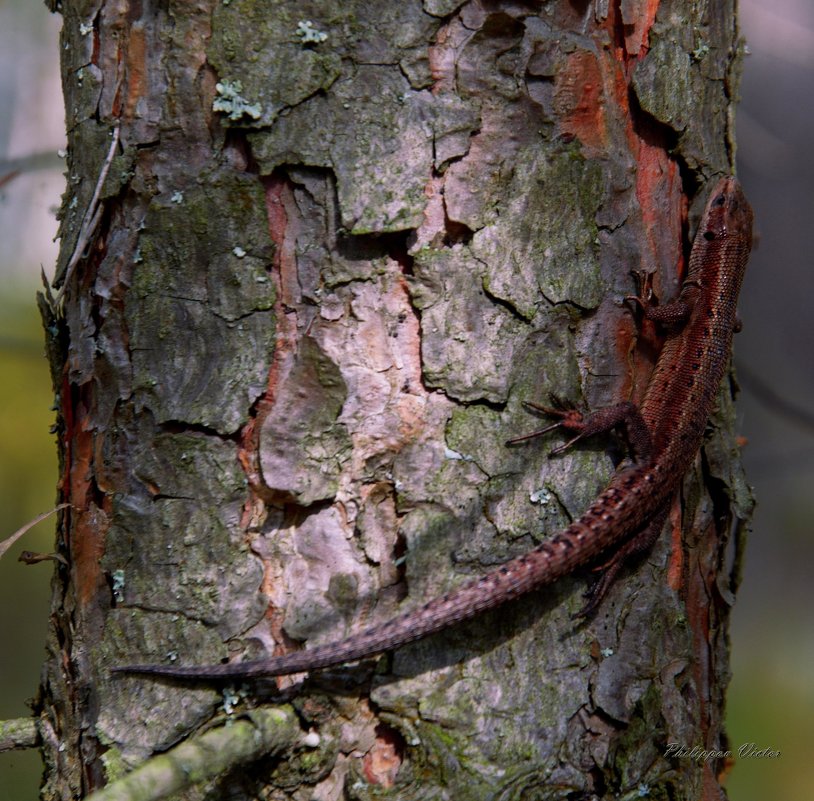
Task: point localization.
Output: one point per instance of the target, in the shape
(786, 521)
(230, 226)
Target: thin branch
(18, 733)
(43, 160)
(261, 733)
(92, 216)
(6, 544)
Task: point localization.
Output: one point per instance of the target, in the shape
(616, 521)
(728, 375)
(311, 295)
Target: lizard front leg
(670, 314)
(625, 415)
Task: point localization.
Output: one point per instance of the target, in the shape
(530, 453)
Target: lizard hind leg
(639, 544)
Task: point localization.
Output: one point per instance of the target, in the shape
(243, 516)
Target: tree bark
(341, 242)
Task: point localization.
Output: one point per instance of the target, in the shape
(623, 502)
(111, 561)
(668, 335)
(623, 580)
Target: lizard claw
(644, 296)
(566, 445)
(533, 434)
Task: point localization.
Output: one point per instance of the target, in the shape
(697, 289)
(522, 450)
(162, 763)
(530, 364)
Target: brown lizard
(665, 435)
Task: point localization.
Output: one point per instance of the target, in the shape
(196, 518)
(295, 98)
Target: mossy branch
(262, 733)
(18, 734)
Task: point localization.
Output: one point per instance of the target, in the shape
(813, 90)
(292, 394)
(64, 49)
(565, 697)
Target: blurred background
(771, 698)
(32, 130)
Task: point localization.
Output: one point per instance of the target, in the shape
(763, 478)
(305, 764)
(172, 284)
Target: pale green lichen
(118, 585)
(232, 698)
(308, 33)
(454, 455)
(700, 51)
(229, 101)
(542, 497)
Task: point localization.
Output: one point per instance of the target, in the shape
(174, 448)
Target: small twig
(49, 297)
(33, 558)
(8, 177)
(264, 732)
(18, 734)
(6, 544)
(92, 216)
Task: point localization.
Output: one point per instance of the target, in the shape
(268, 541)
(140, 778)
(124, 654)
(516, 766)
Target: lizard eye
(719, 201)
(709, 235)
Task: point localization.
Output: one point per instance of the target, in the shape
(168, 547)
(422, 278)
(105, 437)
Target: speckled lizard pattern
(666, 434)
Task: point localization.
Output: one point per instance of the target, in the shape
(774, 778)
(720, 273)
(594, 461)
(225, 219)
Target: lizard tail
(612, 512)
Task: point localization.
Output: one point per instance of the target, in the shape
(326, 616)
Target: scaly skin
(666, 434)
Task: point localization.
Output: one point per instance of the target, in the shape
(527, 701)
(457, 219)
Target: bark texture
(342, 242)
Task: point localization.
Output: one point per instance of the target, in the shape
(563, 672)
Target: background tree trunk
(341, 243)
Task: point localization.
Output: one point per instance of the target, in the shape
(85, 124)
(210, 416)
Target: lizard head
(727, 213)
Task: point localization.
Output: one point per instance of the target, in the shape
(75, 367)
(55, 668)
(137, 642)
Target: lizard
(665, 434)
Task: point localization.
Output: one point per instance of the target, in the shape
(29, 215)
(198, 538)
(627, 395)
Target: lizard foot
(644, 297)
(569, 417)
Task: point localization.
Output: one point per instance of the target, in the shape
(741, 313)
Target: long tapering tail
(608, 520)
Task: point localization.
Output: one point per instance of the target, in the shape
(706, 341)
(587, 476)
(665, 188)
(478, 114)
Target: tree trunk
(341, 242)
